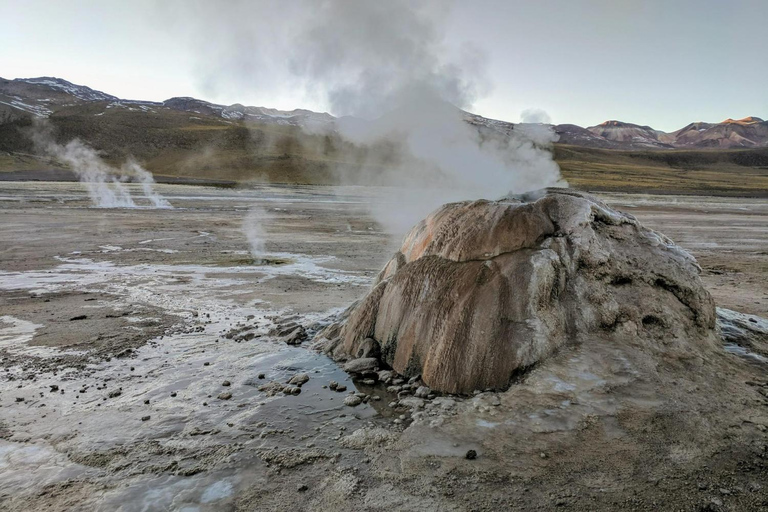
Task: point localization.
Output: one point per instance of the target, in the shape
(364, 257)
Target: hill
(191, 139)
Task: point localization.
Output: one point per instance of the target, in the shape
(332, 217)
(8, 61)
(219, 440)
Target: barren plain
(135, 345)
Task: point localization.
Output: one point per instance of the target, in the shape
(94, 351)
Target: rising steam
(104, 183)
(387, 70)
(255, 232)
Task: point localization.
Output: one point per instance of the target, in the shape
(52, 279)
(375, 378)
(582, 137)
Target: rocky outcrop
(483, 290)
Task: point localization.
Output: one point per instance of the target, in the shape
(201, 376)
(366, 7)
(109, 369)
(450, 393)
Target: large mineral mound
(480, 291)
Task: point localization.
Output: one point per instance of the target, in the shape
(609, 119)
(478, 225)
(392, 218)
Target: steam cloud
(535, 115)
(255, 232)
(105, 184)
(386, 69)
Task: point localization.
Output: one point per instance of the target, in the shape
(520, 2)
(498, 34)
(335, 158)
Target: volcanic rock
(482, 290)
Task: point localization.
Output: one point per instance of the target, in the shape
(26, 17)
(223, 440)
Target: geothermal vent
(482, 290)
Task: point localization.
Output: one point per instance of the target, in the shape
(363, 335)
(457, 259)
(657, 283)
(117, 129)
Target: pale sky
(660, 63)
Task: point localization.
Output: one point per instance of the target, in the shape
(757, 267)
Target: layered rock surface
(480, 291)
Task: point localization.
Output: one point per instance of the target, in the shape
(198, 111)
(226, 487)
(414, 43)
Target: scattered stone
(19, 399)
(272, 388)
(225, 396)
(207, 363)
(146, 402)
(422, 392)
(114, 394)
(262, 376)
(292, 390)
(295, 337)
(302, 488)
(333, 385)
(226, 383)
(78, 317)
(299, 379)
(341, 388)
(173, 395)
(471, 455)
(145, 418)
(353, 400)
(54, 388)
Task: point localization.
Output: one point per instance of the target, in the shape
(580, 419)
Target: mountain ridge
(42, 96)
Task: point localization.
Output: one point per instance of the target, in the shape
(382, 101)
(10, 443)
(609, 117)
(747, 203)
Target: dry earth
(127, 408)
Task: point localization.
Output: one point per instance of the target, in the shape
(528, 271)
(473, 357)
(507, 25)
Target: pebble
(145, 418)
(225, 396)
(292, 390)
(262, 376)
(226, 383)
(471, 455)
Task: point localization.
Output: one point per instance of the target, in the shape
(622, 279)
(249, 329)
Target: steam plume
(105, 184)
(387, 67)
(255, 232)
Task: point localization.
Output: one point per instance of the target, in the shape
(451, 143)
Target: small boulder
(353, 400)
(362, 365)
(299, 379)
(295, 337)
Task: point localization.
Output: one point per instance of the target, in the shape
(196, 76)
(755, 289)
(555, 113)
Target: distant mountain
(628, 133)
(45, 96)
(748, 132)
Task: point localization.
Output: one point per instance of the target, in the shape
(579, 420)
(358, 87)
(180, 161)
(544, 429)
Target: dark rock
(368, 348)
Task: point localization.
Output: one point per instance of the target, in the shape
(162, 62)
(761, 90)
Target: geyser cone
(482, 290)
